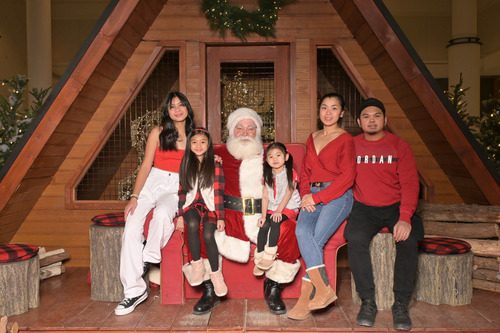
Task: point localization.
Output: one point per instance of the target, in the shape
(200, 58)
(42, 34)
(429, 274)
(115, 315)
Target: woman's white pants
(159, 192)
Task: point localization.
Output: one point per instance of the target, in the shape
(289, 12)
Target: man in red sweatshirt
(386, 193)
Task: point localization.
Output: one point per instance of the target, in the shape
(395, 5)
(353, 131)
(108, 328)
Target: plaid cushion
(444, 246)
(110, 219)
(17, 252)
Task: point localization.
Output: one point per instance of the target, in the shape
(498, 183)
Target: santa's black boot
(272, 295)
(207, 301)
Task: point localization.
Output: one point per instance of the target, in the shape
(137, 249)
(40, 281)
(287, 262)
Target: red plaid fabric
(444, 246)
(17, 252)
(219, 184)
(116, 219)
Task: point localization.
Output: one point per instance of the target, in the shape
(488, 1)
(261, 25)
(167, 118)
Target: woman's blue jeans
(315, 229)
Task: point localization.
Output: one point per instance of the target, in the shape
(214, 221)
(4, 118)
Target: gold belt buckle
(244, 206)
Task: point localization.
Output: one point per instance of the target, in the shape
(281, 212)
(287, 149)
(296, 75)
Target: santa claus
(242, 158)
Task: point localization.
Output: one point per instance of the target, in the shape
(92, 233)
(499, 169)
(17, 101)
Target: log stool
(383, 256)
(444, 271)
(19, 278)
(105, 246)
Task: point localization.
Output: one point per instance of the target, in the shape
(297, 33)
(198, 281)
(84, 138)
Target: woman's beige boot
(300, 310)
(324, 294)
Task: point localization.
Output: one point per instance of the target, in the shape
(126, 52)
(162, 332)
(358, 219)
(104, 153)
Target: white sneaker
(128, 304)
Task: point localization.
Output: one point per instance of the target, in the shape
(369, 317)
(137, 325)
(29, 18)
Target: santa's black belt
(248, 206)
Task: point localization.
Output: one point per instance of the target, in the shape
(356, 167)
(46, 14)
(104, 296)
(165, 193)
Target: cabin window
(250, 85)
(331, 77)
(255, 76)
(112, 174)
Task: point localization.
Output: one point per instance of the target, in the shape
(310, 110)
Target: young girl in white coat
(201, 207)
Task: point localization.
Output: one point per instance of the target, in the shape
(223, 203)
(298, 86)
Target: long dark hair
(169, 134)
(268, 170)
(331, 95)
(192, 168)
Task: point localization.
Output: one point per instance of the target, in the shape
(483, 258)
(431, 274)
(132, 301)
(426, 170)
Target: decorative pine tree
(14, 117)
(489, 130)
(486, 127)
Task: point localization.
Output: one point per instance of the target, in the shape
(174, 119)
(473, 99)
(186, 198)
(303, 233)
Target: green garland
(222, 16)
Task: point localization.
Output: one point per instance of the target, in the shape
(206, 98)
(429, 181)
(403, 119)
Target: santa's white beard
(244, 147)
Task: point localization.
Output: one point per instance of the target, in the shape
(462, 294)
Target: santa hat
(240, 114)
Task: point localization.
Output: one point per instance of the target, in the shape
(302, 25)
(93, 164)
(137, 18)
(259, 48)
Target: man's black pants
(363, 224)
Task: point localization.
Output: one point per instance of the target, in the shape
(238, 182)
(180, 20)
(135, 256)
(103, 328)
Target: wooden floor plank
(331, 318)
(295, 325)
(467, 318)
(258, 316)
(233, 321)
(66, 307)
(186, 320)
(159, 317)
(92, 316)
(488, 307)
(427, 315)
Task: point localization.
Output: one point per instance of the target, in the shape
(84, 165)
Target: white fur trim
(283, 272)
(251, 173)
(251, 227)
(232, 248)
(240, 114)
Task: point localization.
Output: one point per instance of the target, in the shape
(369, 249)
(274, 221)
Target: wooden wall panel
(183, 20)
(305, 113)
(195, 80)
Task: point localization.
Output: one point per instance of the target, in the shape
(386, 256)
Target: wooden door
(249, 76)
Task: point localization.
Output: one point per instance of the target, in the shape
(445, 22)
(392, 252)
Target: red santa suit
(243, 179)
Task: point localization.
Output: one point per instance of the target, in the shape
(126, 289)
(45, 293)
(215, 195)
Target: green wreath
(222, 16)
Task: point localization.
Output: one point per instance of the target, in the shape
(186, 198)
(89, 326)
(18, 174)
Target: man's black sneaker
(400, 316)
(367, 313)
(128, 304)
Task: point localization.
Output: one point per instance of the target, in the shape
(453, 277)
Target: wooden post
(105, 247)
(19, 286)
(445, 279)
(383, 255)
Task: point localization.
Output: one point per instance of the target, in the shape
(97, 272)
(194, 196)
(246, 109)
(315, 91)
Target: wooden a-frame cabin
(317, 45)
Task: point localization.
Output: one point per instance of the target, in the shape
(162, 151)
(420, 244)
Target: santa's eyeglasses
(250, 129)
